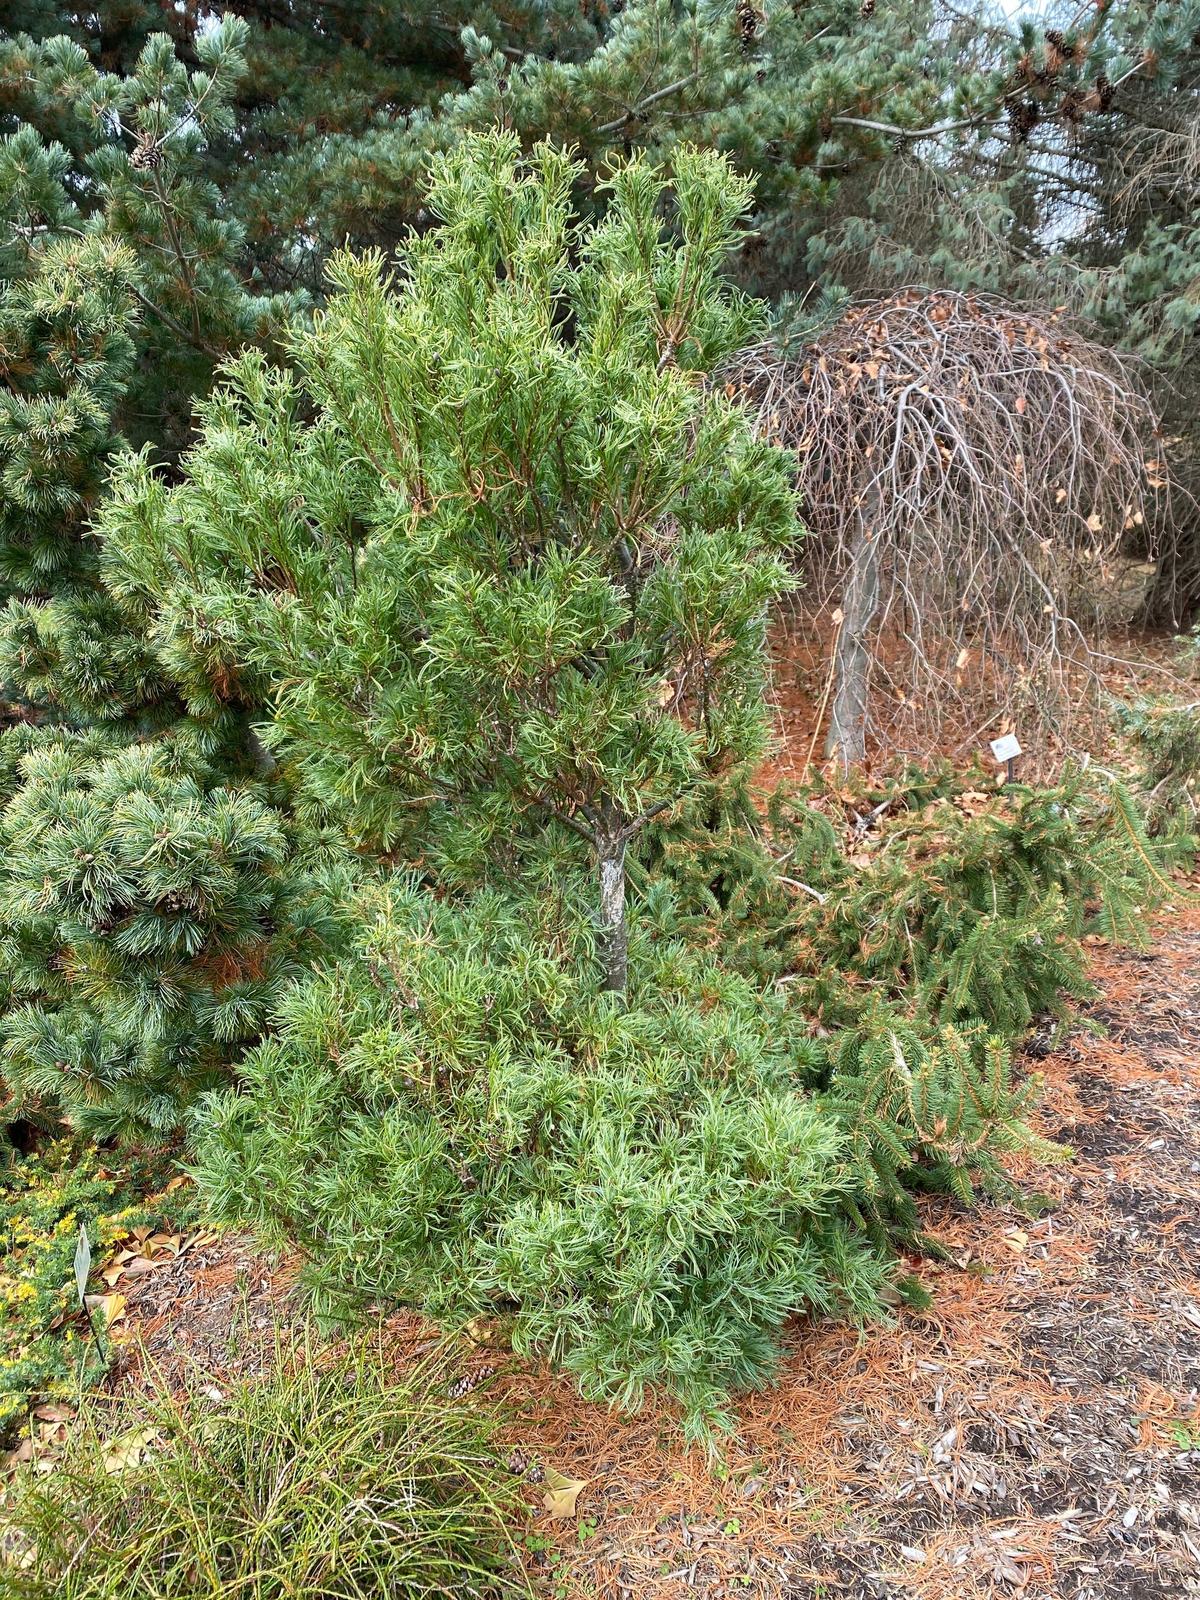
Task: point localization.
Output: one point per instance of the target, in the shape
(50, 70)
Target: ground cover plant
(50, 1350)
(322, 1479)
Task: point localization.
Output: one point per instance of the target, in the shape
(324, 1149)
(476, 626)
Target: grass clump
(330, 1479)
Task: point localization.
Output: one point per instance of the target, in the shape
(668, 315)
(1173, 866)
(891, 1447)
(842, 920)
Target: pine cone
(1022, 119)
(463, 1384)
(749, 18)
(867, 10)
(147, 157)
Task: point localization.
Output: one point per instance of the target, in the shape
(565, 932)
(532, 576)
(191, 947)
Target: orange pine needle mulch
(871, 1454)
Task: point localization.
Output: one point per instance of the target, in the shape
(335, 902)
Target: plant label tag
(1006, 749)
(83, 1263)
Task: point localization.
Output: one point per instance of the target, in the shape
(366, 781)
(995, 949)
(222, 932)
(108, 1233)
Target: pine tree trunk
(614, 934)
(848, 723)
(264, 762)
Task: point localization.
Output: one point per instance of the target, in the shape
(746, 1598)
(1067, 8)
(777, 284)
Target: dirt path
(1037, 1433)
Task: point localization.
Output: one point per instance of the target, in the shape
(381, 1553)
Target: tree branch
(894, 131)
(176, 327)
(632, 113)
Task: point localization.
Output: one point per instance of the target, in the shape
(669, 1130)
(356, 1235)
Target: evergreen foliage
(67, 350)
(118, 293)
(457, 1117)
(921, 928)
(332, 131)
(129, 155)
(466, 560)
(149, 918)
(153, 901)
(515, 568)
(1166, 737)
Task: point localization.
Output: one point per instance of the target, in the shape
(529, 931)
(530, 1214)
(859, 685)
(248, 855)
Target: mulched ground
(1037, 1433)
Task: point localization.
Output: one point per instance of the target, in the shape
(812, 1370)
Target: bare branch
(998, 461)
(632, 113)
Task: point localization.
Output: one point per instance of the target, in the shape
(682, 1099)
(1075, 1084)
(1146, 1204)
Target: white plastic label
(83, 1262)
(1007, 748)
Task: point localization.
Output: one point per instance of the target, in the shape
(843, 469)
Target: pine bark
(614, 932)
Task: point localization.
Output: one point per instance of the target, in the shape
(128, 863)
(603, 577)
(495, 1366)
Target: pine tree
(137, 964)
(149, 920)
(454, 1116)
(514, 573)
(131, 155)
(67, 347)
(334, 127)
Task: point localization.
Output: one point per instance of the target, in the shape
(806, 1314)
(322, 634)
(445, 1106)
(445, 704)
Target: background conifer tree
(153, 895)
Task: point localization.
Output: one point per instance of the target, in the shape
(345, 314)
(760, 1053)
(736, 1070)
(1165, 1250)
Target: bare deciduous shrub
(969, 472)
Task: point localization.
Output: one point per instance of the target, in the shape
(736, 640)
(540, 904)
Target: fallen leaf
(52, 1412)
(561, 1493)
(204, 1236)
(1015, 1239)
(142, 1264)
(130, 1450)
(113, 1307)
